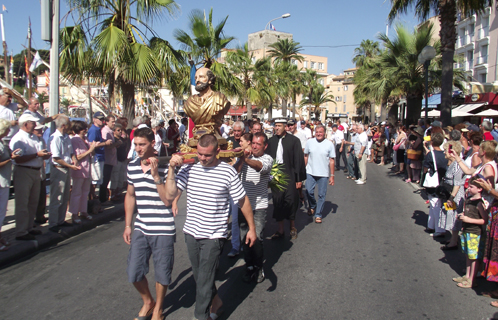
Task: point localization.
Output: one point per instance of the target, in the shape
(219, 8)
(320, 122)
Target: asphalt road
(369, 259)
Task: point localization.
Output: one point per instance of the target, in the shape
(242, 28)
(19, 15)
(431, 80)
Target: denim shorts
(142, 247)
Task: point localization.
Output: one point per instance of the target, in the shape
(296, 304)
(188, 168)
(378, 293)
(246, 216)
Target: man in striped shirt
(154, 229)
(209, 185)
(254, 167)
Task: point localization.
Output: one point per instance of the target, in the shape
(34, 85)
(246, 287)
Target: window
(344, 110)
(320, 66)
(345, 88)
(305, 64)
(338, 88)
(337, 98)
(482, 77)
(471, 29)
(344, 99)
(313, 65)
(335, 109)
(484, 54)
(320, 81)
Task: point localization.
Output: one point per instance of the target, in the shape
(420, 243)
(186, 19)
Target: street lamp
(428, 53)
(281, 17)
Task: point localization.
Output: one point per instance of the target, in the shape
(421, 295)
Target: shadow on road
(420, 218)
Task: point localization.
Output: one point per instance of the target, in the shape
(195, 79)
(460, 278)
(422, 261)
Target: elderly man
(360, 146)
(60, 176)
(352, 164)
(27, 176)
(33, 108)
(207, 215)
(7, 114)
(110, 159)
(319, 156)
(238, 131)
(12, 105)
(286, 150)
(256, 127)
(486, 129)
(97, 167)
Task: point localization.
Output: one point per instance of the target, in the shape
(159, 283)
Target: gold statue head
(204, 80)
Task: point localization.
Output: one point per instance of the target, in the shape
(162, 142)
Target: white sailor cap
(280, 120)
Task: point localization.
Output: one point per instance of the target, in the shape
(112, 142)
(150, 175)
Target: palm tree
(285, 50)
(317, 98)
(265, 84)
(366, 51)
(447, 11)
(240, 63)
(118, 47)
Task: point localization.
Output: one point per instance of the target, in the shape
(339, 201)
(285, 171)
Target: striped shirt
(154, 217)
(208, 198)
(256, 183)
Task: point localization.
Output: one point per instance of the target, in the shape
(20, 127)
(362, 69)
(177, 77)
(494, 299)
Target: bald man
(33, 108)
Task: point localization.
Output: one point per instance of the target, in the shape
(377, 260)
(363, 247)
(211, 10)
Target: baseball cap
(473, 127)
(436, 124)
(335, 126)
(340, 127)
(39, 126)
(383, 123)
(99, 115)
(291, 122)
(27, 117)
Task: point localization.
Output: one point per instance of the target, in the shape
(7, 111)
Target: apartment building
(342, 88)
(476, 46)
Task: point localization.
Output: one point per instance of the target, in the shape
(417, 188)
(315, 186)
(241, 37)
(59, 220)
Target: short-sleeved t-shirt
(361, 141)
(95, 134)
(80, 147)
(319, 154)
(37, 115)
(208, 198)
(110, 153)
(441, 161)
(256, 182)
(154, 217)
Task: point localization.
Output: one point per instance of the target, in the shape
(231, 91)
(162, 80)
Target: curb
(49, 239)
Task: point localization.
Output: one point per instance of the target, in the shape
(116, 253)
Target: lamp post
(281, 17)
(425, 57)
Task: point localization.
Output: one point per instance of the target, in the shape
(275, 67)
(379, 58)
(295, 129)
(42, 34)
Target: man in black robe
(286, 149)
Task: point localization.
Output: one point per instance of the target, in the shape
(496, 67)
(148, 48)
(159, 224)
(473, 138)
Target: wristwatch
(160, 181)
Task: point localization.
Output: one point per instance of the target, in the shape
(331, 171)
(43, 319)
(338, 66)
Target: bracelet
(127, 227)
(332, 175)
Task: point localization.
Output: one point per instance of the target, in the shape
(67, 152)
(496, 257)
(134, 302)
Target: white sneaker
(360, 182)
(438, 234)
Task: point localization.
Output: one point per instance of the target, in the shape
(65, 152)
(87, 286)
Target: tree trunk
(413, 109)
(270, 111)
(294, 108)
(372, 112)
(249, 109)
(111, 91)
(447, 17)
(284, 108)
(392, 115)
(383, 111)
(128, 90)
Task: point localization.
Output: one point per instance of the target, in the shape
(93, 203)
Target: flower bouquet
(279, 179)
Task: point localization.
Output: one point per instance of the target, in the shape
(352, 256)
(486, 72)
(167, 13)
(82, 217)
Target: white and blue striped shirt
(154, 217)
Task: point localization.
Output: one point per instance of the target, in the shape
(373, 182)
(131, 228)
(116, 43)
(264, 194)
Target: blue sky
(312, 23)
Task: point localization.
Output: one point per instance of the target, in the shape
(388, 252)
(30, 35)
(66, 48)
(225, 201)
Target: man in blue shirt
(319, 158)
(95, 134)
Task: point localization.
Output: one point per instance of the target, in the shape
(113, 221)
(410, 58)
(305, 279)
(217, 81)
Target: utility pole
(5, 53)
(30, 81)
(54, 62)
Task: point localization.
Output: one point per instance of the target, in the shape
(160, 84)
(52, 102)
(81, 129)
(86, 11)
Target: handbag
(413, 154)
(443, 191)
(432, 181)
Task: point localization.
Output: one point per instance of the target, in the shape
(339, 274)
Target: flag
(36, 62)
(4, 9)
(272, 27)
(47, 79)
(26, 65)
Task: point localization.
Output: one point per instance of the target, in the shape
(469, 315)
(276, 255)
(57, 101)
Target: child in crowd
(474, 217)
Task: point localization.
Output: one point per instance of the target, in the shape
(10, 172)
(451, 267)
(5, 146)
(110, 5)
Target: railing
(483, 32)
(482, 59)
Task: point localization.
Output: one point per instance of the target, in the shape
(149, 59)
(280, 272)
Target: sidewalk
(21, 249)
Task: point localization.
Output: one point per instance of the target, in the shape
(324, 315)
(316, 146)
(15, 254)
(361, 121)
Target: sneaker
(293, 234)
(233, 253)
(437, 234)
(360, 182)
(261, 275)
(250, 272)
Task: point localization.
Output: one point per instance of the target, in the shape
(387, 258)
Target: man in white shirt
(60, 175)
(306, 130)
(27, 178)
(292, 129)
(225, 129)
(33, 109)
(340, 149)
(359, 150)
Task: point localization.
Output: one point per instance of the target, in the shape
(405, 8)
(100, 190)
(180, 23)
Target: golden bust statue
(206, 108)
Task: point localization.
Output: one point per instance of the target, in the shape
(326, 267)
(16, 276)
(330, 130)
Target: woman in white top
(5, 174)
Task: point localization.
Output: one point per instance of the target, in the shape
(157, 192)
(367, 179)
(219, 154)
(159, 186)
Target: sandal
(311, 212)
(86, 216)
(491, 294)
(276, 235)
(494, 303)
(460, 279)
(318, 220)
(467, 284)
(408, 180)
(76, 219)
(147, 316)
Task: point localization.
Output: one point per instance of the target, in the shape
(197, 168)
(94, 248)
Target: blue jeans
(311, 182)
(352, 166)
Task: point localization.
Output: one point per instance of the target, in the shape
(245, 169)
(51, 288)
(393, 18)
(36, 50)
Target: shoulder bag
(432, 181)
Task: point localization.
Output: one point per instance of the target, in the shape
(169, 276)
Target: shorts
(97, 171)
(472, 245)
(142, 247)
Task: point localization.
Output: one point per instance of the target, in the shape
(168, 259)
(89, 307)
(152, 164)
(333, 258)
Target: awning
(469, 107)
(488, 113)
(454, 113)
(433, 101)
(431, 114)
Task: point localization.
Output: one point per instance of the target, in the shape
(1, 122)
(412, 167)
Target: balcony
(469, 65)
(482, 60)
(482, 33)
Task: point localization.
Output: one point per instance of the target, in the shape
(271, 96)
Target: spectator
(97, 165)
(360, 146)
(117, 177)
(183, 131)
(63, 161)
(238, 131)
(110, 158)
(494, 133)
(27, 176)
(7, 114)
(486, 128)
(225, 128)
(5, 177)
(352, 162)
(400, 143)
(42, 200)
(82, 180)
(301, 135)
(414, 166)
(340, 147)
(136, 122)
(256, 127)
(159, 145)
(173, 136)
(306, 130)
